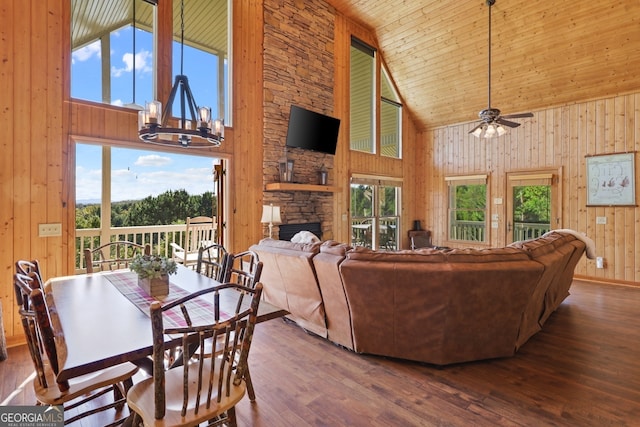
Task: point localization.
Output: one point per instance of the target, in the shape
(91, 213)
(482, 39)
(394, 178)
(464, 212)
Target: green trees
(532, 204)
(470, 202)
(171, 207)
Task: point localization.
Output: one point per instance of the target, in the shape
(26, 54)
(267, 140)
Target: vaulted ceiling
(544, 53)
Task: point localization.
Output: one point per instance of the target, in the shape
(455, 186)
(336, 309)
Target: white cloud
(135, 185)
(149, 175)
(153, 160)
(87, 52)
(143, 63)
(89, 183)
(117, 102)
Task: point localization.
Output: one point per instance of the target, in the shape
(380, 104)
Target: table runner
(200, 310)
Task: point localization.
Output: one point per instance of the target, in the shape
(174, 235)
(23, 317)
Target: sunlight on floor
(18, 390)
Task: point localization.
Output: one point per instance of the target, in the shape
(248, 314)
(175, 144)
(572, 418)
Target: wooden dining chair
(32, 270)
(245, 268)
(202, 389)
(200, 231)
(213, 261)
(43, 344)
(113, 255)
(27, 267)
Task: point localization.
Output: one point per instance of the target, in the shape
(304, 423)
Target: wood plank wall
(34, 163)
(556, 138)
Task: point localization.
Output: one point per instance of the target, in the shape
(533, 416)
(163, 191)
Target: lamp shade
(489, 130)
(271, 214)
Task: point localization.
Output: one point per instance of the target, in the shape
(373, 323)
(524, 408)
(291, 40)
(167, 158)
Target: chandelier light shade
(271, 215)
(196, 130)
(154, 126)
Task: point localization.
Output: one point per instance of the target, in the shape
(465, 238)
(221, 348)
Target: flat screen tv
(312, 131)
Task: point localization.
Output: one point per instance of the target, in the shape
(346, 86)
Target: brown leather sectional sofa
(433, 306)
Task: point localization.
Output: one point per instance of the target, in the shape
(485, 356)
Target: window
(532, 203)
(102, 46)
(140, 196)
(390, 118)
(468, 208)
(375, 213)
(364, 101)
(363, 72)
(103, 42)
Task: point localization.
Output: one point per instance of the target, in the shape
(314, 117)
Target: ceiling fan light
(490, 132)
(501, 130)
(478, 131)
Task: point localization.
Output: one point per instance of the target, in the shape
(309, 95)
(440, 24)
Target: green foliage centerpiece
(153, 273)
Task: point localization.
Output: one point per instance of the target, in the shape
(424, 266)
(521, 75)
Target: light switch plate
(601, 220)
(49, 230)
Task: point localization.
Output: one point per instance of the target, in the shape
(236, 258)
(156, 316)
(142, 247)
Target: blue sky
(137, 173)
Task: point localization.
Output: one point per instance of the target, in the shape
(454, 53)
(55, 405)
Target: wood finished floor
(583, 369)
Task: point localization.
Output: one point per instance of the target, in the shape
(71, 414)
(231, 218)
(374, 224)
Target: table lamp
(271, 215)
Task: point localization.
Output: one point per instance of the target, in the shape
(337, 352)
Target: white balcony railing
(158, 236)
(475, 231)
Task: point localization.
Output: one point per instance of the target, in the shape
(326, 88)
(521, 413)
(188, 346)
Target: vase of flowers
(153, 273)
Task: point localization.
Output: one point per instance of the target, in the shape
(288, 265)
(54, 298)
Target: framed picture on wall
(611, 180)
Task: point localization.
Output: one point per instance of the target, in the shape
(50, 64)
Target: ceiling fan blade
(507, 123)
(517, 116)
(474, 129)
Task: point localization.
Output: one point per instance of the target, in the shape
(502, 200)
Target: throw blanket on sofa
(591, 246)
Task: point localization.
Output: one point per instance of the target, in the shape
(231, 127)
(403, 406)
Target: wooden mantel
(292, 186)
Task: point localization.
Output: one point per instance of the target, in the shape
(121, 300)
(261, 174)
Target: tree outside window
(467, 209)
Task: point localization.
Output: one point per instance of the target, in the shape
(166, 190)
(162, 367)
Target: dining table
(102, 319)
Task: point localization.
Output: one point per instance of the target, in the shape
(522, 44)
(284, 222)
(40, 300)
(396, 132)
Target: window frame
(395, 102)
(376, 218)
(452, 183)
(365, 49)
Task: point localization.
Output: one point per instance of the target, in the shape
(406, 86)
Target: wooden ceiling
(544, 53)
(94, 18)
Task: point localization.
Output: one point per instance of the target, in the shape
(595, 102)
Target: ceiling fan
(492, 123)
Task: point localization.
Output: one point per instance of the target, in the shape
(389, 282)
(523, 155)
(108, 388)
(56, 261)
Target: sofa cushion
(427, 255)
(431, 255)
(334, 248)
(285, 244)
(543, 245)
(486, 255)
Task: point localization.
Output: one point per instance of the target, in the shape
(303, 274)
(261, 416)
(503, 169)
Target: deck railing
(526, 231)
(474, 231)
(158, 236)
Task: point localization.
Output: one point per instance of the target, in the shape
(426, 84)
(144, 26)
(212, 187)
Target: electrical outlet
(49, 230)
(601, 220)
(599, 262)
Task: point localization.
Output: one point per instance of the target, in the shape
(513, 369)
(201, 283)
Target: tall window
(366, 101)
(113, 64)
(468, 208)
(390, 118)
(363, 74)
(375, 213)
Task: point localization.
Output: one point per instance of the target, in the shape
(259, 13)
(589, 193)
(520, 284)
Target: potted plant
(153, 273)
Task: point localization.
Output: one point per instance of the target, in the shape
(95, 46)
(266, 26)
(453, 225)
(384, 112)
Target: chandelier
(197, 130)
